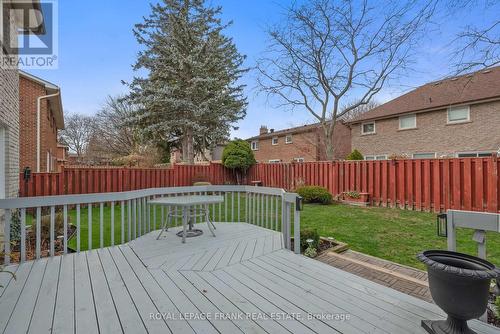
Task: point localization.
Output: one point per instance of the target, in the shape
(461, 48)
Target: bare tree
(78, 130)
(327, 52)
(359, 110)
(477, 46)
(120, 137)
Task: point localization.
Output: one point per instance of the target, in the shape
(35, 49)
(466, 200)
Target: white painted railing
(480, 222)
(271, 208)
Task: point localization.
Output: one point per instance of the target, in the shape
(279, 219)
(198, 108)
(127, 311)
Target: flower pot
(362, 200)
(459, 285)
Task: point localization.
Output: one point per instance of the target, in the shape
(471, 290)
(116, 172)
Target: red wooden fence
(85, 180)
(432, 185)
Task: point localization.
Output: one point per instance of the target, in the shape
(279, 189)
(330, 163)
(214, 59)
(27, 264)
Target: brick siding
(9, 121)
(29, 91)
(304, 145)
(433, 134)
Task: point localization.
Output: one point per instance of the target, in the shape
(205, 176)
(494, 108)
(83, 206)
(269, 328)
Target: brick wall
(433, 134)
(9, 121)
(29, 91)
(304, 145)
(341, 142)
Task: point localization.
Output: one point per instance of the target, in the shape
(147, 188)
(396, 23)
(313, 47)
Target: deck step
(399, 277)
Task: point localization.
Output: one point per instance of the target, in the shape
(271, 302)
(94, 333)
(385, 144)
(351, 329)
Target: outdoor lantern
(442, 225)
(299, 203)
(26, 174)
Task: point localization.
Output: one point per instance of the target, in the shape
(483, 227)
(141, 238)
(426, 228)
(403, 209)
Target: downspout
(38, 134)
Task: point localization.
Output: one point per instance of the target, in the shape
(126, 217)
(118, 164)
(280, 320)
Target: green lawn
(393, 234)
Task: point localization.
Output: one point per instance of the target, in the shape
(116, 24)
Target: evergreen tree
(190, 96)
(238, 156)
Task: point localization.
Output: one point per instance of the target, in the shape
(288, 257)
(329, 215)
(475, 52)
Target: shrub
(352, 194)
(309, 234)
(315, 194)
(497, 304)
(238, 156)
(355, 155)
(15, 226)
(45, 225)
(310, 252)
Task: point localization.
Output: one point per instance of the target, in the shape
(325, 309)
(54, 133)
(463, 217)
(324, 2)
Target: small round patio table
(188, 205)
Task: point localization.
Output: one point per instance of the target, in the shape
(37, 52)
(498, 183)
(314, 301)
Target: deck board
(64, 311)
(203, 286)
(43, 314)
(104, 304)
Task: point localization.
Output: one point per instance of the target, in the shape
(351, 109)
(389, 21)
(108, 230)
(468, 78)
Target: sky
(97, 50)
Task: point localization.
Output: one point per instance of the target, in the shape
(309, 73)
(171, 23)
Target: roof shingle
(477, 86)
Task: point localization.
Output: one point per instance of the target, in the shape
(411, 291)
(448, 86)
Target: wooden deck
(241, 281)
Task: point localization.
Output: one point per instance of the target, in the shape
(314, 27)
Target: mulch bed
(15, 254)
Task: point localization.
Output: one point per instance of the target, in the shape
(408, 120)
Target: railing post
(285, 222)
(296, 230)
(452, 241)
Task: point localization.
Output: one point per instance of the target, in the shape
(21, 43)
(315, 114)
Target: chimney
(263, 130)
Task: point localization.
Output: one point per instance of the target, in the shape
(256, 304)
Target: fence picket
(427, 184)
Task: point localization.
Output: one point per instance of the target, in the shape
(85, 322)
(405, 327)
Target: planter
(363, 199)
(459, 284)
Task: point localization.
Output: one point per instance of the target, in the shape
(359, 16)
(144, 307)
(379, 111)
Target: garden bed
(328, 245)
(354, 198)
(15, 254)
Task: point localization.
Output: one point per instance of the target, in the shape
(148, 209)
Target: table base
(191, 233)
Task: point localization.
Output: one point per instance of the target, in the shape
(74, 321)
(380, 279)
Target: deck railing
(125, 216)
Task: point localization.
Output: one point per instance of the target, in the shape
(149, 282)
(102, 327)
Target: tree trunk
(188, 147)
(328, 141)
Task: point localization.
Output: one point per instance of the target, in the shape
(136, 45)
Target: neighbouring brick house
(9, 103)
(455, 117)
(300, 144)
(40, 103)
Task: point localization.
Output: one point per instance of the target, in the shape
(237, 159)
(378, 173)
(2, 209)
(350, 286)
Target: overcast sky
(97, 49)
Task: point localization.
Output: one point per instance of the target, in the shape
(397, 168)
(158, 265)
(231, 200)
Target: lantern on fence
(27, 174)
(442, 225)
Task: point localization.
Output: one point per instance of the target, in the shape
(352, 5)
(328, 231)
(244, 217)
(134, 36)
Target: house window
(298, 159)
(255, 145)
(376, 157)
(368, 128)
(407, 122)
(275, 141)
(458, 114)
(288, 139)
(474, 154)
(424, 155)
(274, 161)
